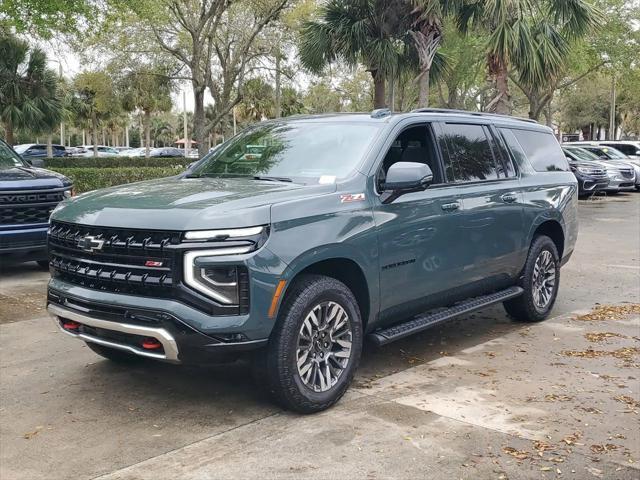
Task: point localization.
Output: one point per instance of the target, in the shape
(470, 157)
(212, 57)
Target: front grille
(25, 208)
(121, 264)
(134, 262)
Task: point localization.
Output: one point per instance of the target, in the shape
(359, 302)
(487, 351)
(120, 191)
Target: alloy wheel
(324, 346)
(544, 279)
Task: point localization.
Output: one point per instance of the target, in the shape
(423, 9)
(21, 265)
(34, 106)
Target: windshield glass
(8, 159)
(297, 151)
(613, 153)
(20, 149)
(583, 154)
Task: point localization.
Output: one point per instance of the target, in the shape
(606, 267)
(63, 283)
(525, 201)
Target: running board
(432, 318)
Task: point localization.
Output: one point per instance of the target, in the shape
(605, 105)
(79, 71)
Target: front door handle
(509, 197)
(450, 207)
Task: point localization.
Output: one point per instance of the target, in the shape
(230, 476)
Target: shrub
(86, 179)
(115, 162)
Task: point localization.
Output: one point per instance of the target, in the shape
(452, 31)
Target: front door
(418, 233)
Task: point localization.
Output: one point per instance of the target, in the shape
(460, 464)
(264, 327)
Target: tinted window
(506, 168)
(543, 151)
(625, 148)
(415, 144)
(469, 152)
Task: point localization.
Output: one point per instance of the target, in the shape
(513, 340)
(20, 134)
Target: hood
(178, 203)
(582, 163)
(26, 178)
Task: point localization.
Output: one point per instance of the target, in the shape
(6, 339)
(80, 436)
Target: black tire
(114, 354)
(44, 264)
(284, 380)
(525, 308)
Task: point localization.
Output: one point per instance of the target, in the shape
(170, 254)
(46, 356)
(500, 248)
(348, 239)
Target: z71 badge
(352, 197)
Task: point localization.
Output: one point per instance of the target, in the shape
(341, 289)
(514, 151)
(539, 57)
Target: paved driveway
(480, 397)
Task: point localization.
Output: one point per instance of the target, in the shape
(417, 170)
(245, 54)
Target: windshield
(20, 149)
(8, 158)
(613, 153)
(298, 151)
(582, 154)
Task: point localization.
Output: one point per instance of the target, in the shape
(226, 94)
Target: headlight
(71, 192)
(586, 170)
(219, 282)
(225, 233)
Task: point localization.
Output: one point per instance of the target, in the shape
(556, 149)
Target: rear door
(492, 220)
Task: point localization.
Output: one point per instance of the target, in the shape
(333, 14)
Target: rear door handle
(450, 207)
(509, 197)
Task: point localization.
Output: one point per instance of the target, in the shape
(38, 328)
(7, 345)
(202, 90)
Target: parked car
(35, 153)
(166, 152)
(630, 148)
(379, 225)
(27, 197)
(103, 151)
(621, 174)
(592, 176)
(624, 175)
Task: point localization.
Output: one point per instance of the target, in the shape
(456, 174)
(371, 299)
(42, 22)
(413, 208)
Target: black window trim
(474, 182)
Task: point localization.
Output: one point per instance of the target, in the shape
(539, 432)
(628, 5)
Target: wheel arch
(343, 267)
(552, 229)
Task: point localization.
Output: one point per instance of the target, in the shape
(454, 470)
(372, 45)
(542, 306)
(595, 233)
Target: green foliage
(116, 162)
(28, 89)
(86, 179)
(45, 17)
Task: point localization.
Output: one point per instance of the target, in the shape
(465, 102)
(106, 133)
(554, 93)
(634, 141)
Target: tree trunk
(50, 145)
(94, 127)
(498, 72)
(199, 125)
(8, 130)
(423, 83)
(147, 132)
(278, 93)
(391, 92)
(378, 89)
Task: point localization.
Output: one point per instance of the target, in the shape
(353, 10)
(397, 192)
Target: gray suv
(344, 228)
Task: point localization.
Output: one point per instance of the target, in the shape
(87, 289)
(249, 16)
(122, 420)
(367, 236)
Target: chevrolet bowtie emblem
(90, 243)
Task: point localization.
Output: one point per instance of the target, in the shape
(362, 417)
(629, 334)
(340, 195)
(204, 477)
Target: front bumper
(130, 327)
(618, 184)
(23, 243)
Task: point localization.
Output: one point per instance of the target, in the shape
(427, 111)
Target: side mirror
(406, 177)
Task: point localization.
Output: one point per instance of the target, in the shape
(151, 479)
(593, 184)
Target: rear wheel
(316, 345)
(114, 354)
(540, 281)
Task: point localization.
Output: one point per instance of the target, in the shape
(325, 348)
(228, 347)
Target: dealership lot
(480, 397)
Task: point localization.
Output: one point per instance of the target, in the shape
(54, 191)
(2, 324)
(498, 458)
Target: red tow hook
(70, 325)
(151, 343)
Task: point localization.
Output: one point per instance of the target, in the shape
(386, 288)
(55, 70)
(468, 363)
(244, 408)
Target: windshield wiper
(272, 179)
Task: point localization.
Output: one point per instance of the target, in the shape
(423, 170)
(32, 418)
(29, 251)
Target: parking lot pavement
(480, 397)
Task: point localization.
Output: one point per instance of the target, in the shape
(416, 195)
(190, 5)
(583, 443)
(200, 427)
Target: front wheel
(540, 281)
(316, 345)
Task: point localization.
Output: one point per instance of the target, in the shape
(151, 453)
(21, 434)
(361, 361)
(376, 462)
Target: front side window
(542, 150)
(625, 148)
(470, 156)
(304, 152)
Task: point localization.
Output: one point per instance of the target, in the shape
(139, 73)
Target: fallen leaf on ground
(542, 446)
(600, 336)
(610, 312)
(628, 400)
(603, 448)
(572, 439)
(519, 454)
(625, 353)
(30, 435)
(552, 397)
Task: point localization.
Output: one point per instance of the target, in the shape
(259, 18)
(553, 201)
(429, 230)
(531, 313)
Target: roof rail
(466, 112)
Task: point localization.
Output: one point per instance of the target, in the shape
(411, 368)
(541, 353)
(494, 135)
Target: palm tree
(28, 89)
(357, 31)
(147, 89)
(426, 31)
(526, 35)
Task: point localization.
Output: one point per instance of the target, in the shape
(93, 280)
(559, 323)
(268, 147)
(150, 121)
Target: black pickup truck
(27, 197)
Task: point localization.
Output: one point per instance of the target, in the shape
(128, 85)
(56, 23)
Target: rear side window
(543, 151)
(469, 152)
(625, 148)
